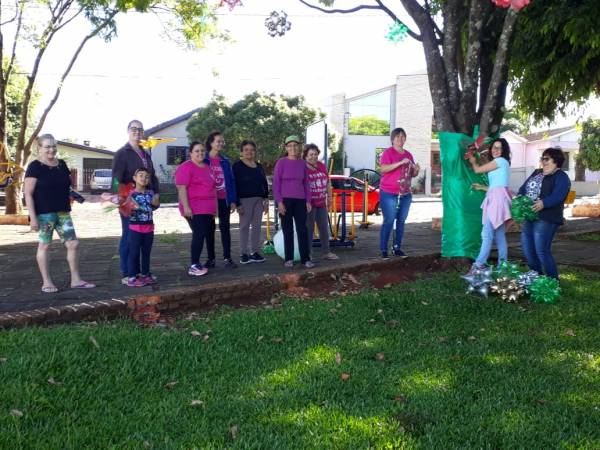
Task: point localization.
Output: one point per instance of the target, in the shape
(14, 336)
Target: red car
(340, 183)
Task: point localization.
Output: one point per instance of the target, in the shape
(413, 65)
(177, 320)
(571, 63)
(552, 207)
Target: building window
(176, 155)
(370, 115)
(566, 164)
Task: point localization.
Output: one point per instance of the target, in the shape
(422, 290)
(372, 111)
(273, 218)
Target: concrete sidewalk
(20, 281)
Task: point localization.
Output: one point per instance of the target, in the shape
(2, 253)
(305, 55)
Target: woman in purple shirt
(292, 194)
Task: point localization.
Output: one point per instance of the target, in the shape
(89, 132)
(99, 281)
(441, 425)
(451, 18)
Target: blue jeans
(140, 244)
(488, 235)
(536, 241)
(124, 246)
(393, 210)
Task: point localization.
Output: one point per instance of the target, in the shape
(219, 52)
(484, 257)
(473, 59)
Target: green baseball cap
(292, 138)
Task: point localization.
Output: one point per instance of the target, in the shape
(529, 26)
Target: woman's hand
(281, 208)
(478, 187)
(538, 205)
(33, 223)
(187, 212)
(232, 208)
(473, 160)
(240, 210)
(156, 200)
(416, 169)
(308, 207)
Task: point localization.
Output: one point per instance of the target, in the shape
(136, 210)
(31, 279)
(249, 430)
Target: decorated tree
(265, 119)
(32, 26)
(473, 49)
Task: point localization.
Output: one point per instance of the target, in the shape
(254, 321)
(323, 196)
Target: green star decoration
(397, 32)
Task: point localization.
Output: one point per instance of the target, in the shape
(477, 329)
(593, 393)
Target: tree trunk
(579, 170)
(14, 197)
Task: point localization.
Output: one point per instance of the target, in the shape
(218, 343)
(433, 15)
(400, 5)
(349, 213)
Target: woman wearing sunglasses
(548, 187)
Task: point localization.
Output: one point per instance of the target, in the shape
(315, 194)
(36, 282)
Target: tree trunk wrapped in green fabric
(461, 224)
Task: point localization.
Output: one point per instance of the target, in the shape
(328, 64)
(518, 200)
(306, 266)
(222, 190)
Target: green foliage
(589, 144)
(555, 60)
(516, 120)
(455, 371)
(265, 119)
(14, 97)
(369, 125)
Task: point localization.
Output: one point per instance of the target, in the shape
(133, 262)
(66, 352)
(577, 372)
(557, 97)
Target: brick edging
(147, 308)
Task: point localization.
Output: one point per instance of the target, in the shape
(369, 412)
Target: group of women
(547, 187)
(210, 187)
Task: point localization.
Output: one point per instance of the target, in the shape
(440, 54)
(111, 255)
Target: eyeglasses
(545, 159)
(136, 129)
(49, 147)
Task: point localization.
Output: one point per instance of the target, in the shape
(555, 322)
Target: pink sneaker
(148, 279)
(135, 282)
(197, 270)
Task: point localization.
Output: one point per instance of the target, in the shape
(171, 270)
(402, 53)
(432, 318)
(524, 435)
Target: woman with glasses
(47, 187)
(496, 205)
(220, 167)
(548, 187)
(291, 191)
(126, 162)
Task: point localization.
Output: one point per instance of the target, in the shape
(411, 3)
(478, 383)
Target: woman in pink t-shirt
(196, 188)
(320, 198)
(398, 168)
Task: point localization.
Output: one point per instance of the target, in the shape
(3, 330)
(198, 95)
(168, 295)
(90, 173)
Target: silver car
(101, 180)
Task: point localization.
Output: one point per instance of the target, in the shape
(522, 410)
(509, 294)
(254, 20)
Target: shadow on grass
(457, 371)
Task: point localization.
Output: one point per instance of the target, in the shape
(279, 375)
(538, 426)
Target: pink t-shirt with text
(219, 176)
(317, 180)
(201, 187)
(397, 181)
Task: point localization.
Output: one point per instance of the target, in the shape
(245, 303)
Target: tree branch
(499, 74)
(15, 16)
(65, 74)
(390, 13)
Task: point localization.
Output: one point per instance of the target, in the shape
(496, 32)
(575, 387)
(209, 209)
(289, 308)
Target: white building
(84, 160)
(166, 156)
(406, 104)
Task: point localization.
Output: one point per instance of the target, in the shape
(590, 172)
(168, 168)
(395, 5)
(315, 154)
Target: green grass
(168, 238)
(458, 372)
(588, 237)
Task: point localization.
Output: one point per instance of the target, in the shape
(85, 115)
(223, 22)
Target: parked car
(100, 181)
(340, 183)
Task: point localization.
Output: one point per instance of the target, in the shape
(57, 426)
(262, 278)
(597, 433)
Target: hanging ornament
(520, 209)
(517, 5)
(508, 289)
(230, 4)
(277, 23)
(397, 32)
(544, 289)
(151, 142)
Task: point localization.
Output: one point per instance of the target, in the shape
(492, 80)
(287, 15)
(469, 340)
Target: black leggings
(224, 229)
(201, 225)
(295, 211)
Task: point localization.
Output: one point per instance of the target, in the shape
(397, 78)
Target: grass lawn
(588, 237)
(428, 366)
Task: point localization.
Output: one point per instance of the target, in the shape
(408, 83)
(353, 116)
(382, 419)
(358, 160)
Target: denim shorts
(61, 222)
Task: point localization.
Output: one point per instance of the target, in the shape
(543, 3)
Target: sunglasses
(545, 159)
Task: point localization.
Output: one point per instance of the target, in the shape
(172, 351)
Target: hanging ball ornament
(397, 32)
(230, 3)
(277, 23)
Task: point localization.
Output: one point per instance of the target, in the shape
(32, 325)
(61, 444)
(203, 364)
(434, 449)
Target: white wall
(75, 158)
(159, 153)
